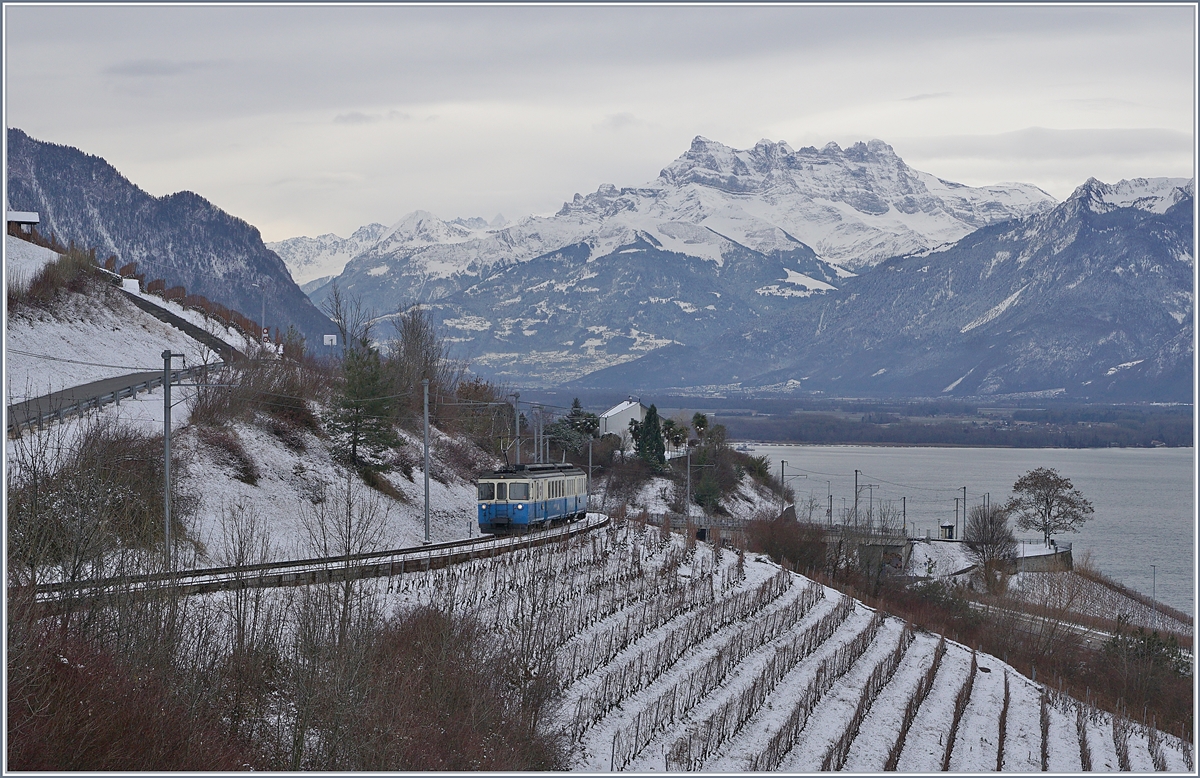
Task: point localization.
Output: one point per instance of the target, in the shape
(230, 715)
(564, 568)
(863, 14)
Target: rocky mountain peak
(1155, 195)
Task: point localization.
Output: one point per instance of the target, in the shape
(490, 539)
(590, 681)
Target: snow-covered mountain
(853, 207)
(1092, 299)
(314, 261)
(719, 239)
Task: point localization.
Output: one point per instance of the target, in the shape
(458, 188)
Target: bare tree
(351, 520)
(354, 322)
(1045, 501)
(990, 543)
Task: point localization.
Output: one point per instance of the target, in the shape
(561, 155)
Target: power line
(82, 362)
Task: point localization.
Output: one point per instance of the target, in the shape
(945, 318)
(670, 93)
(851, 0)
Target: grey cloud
(925, 96)
(619, 121)
(355, 117)
(1034, 143)
(150, 68)
(358, 117)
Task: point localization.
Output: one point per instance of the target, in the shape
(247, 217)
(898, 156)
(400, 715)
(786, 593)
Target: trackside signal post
(166, 355)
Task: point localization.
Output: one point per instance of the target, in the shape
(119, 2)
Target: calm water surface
(1145, 499)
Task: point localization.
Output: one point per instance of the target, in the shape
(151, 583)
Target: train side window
(487, 491)
(501, 491)
(518, 490)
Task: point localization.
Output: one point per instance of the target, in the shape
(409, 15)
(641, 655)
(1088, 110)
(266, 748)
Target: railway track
(302, 572)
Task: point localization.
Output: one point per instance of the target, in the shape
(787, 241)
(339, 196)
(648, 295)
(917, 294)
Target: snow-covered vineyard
(677, 658)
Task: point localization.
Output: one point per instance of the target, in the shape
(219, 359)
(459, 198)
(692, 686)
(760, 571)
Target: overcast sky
(306, 120)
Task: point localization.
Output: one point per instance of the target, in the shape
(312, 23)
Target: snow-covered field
(671, 655)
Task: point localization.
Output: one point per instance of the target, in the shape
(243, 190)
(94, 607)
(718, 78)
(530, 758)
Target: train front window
(487, 491)
(501, 489)
(518, 490)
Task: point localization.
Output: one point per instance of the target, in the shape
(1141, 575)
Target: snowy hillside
(80, 342)
(728, 666)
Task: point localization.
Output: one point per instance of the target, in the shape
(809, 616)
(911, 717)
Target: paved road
(227, 352)
(19, 414)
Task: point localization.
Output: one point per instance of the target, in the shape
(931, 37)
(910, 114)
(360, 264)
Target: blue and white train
(524, 497)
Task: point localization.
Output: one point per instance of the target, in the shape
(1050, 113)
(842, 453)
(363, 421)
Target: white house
(616, 419)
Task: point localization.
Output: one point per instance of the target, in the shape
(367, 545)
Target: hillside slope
(1091, 300)
(181, 238)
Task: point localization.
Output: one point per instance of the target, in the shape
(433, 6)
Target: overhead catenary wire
(140, 369)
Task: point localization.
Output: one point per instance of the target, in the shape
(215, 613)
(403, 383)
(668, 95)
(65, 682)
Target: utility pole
(904, 512)
(856, 499)
(964, 512)
(589, 483)
(517, 423)
(166, 355)
(688, 500)
(782, 497)
(425, 386)
(1154, 592)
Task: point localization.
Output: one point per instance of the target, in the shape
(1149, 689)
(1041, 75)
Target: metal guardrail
(308, 571)
(99, 401)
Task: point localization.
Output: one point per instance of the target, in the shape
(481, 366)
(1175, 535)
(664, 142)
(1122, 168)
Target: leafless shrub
(1120, 736)
(225, 443)
(1044, 720)
(1003, 727)
(462, 458)
(276, 391)
(75, 705)
(80, 499)
(74, 271)
(1085, 753)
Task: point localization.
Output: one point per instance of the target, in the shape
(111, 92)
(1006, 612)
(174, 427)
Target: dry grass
(74, 271)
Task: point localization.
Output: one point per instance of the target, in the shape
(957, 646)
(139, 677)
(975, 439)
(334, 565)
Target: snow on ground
(657, 495)
(938, 558)
(81, 341)
(22, 261)
(290, 483)
(1083, 595)
(230, 335)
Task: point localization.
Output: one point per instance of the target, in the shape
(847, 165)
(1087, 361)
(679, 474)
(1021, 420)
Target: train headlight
(520, 506)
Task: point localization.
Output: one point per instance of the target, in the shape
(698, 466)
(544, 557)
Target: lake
(1144, 499)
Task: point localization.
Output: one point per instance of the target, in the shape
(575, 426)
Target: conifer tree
(360, 421)
(649, 441)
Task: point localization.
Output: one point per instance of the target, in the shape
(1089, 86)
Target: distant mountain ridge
(1092, 300)
(719, 239)
(181, 238)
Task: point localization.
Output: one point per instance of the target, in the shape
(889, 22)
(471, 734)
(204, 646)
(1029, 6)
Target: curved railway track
(302, 572)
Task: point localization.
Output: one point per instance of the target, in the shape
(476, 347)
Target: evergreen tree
(649, 441)
(581, 420)
(360, 421)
